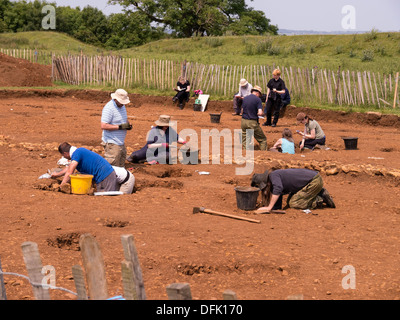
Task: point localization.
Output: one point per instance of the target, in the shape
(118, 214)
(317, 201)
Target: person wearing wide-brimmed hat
(244, 90)
(159, 138)
(114, 123)
(251, 110)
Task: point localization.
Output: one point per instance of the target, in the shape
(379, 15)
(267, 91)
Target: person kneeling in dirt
(126, 179)
(285, 144)
(304, 186)
(313, 135)
(158, 143)
(87, 162)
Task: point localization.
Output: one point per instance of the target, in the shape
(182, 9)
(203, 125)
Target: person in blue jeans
(87, 162)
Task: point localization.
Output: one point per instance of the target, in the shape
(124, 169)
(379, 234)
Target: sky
(316, 15)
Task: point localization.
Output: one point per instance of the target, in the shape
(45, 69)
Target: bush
(214, 42)
(367, 55)
(372, 35)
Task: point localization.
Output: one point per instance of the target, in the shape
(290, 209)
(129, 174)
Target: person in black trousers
(183, 89)
(276, 87)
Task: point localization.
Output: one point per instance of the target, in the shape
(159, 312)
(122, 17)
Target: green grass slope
(378, 52)
(372, 51)
(50, 41)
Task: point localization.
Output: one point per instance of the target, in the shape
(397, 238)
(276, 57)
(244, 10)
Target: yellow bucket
(81, 183)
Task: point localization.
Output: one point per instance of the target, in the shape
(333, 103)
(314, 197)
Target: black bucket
(197, 107)
(215, 117)
(246, 197)
(350, 143)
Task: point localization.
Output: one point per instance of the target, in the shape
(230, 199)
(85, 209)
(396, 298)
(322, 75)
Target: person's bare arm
(110, 127)
(70, 170)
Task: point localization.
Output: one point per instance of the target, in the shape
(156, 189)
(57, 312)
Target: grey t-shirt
(287, 181)
(312, 124)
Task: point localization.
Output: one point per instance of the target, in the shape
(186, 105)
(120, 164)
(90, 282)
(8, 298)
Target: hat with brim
(163, 121)
(257, 88)
(121, 96)
(243, 82)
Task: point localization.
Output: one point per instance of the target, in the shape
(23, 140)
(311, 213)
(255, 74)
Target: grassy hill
(372, 51)
(379, 52)
(46, 41)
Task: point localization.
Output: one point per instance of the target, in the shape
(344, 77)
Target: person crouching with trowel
(304, 186)
(87, 162)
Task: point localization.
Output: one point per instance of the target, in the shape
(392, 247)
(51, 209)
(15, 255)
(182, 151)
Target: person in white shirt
(114, 123)
(244, 90)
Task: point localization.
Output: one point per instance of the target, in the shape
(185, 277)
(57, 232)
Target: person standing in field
(276, 87)
(252, 109)
(114, 123)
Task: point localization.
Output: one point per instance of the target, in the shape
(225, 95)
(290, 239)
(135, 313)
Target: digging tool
(203, 210)
(270, 211)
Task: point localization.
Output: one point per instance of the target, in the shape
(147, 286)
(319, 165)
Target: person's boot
(327, 199)
(131, 159)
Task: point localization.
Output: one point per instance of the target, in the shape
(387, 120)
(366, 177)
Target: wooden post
(395, 90)
(79, 279)
(94, 267)
(128, 280)
(229, 295)
(179, 291)
(3, 295)
(131, 255)
(34, 267)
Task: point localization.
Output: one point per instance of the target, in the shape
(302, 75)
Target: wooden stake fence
(93, 273)
(352, 88)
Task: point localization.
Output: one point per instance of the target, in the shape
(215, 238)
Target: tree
(130, 29)
(200, 17)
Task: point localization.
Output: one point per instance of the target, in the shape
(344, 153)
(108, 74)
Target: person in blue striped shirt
(114, 123)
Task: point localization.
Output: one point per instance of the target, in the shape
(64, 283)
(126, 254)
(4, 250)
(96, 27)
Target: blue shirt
(90, 162)
(287, 146)
(251, 104)
(112, 114)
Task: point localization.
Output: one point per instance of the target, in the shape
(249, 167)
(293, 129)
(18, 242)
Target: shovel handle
(230, 216)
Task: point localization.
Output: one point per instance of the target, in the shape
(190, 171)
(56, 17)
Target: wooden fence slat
(128, 280)
(3, 295)
(131, 255)
(179, 291)
(94, 267)
(79, 280)
(395, 90)
(229, 295)
(34, 267)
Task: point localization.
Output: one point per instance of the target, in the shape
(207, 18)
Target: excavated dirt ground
(293, 253)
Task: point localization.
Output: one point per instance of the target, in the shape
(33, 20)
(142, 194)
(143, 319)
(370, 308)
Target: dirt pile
(22, 73)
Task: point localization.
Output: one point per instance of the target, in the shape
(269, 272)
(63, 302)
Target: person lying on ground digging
(158, 143)
(304, 187)
(87, 162)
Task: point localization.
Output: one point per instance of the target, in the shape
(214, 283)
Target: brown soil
(286, 254)
(22, 73)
